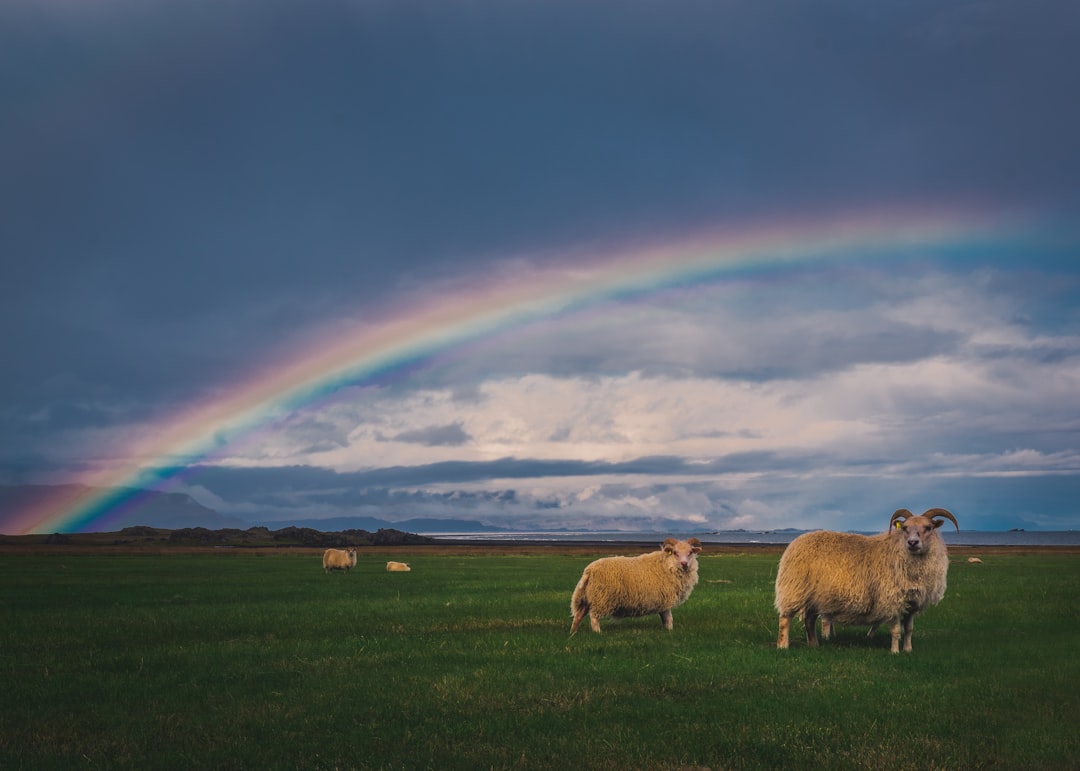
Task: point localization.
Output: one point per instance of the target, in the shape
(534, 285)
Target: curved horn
(942, 513)
(899, 514)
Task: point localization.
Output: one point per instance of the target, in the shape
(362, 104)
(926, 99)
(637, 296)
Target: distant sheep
(637, 586)
(975, 560)
(847, 578)
(394, 567)
(339, 559)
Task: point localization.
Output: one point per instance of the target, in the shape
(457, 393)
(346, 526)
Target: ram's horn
(942, 513)
(899, 514)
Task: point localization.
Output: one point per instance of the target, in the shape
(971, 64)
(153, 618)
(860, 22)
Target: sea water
(963, 538)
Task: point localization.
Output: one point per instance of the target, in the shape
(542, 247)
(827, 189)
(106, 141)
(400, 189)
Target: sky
(635, 265)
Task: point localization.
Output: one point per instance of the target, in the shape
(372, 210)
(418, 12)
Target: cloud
(943, 390)
(177, 226)
(452, 435)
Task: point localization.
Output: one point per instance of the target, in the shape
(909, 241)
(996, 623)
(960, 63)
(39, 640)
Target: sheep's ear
(938, 523)
(695, 544)
(668, 544)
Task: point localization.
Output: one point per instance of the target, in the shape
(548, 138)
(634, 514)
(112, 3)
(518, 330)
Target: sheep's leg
(810, 618)
(665, 619)
(782, 638)
(594, 621)
(894, 627)
(826, 628)
(909, 627)
(578, 615)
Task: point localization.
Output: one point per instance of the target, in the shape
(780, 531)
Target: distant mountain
(153, 509)
(416, 525)
(177, 511)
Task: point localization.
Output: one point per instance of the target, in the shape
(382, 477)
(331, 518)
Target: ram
(637, 586)
(846, 578)
(339, 559)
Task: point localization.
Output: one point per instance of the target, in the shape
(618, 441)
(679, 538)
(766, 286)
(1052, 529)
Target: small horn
(899, 514)
(942, 513)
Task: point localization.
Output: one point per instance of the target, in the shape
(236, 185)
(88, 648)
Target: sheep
(339, 559)
(637, 586)
(855, 579)
(393, 567)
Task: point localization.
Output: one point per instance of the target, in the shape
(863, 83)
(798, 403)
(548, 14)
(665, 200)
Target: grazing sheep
(394, 567)
(339, 559)
(855, 579)
(637, 586)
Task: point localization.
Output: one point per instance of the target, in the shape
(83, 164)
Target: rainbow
(416, 332)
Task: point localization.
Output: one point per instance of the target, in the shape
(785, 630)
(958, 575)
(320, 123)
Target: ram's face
(684, 553)
(917, 532)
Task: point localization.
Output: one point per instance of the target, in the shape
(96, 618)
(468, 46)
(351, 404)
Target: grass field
(243, 661)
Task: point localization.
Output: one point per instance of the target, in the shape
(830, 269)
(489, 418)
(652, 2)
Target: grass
(233, 662)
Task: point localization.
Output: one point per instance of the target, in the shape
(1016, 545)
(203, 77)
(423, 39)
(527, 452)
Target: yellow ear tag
(897, 524)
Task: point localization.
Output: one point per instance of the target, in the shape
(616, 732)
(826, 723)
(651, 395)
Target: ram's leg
(594, 620)
(665, 619)
(785, 625)
(909, 627)
(809, 618)
(826, 628)
(894, 627)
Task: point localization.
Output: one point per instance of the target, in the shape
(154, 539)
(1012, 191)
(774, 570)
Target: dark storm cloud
(820, 498)
(750, 330)
(249, 483)
(435, 436)
(324, 151)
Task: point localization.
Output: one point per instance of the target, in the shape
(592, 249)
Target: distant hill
(141, 536)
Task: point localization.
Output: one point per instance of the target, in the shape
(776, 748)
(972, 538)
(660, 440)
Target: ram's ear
(932, 513)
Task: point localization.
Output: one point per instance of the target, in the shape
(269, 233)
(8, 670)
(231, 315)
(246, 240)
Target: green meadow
(237, 661)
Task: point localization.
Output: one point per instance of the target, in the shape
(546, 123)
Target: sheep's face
(682, 553)
(351, 551)
(918, 533)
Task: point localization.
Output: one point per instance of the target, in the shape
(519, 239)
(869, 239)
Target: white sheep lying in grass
(847, 578)
(339, 559)
(637, 586)
(395, 567)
